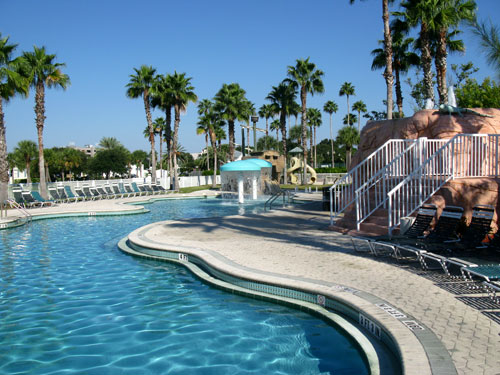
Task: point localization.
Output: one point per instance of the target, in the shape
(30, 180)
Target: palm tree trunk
(283, 141)
(213, 141)
(389, 78)
(161, 154)
(208, 155)
(267, 126)
(168, 133)
(399, 94)
(151, 136)
(348, 112)
(348, 158)
(177, 120)
(40, 118)
(4, 165)
(331, 141)
(426, 62)
(28, 170)
(441, 57)
(231, 138)
(315, 148)
(248, 137)
(359, 121)
(303, 120)
(311, 148)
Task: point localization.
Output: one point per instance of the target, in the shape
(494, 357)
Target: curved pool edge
(365, 345)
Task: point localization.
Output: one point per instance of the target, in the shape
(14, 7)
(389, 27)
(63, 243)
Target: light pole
(254, 120)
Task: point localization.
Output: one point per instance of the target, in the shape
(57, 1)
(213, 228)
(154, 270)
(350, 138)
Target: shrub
(331, 170)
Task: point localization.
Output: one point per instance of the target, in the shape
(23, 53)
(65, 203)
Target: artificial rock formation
(434, 125)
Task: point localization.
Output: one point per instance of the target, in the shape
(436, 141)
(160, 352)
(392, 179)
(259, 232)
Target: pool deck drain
(293, 248)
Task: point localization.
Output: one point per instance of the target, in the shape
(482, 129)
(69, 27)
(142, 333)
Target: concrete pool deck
(293, 247)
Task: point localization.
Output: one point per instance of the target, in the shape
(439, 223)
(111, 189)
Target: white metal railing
(373, 194)
(343, 192)
(463, 156)
(13, 204)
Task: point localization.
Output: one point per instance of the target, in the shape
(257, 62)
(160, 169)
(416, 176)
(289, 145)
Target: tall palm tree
(230, 102)
(282, 98)
(210, 120)
(275, 125)
(451, 13)
(314, 121)
(11, 83)
(349, 119)
(403, 57)
(25, 152)
(306, 78)
(347, 89)
(161, 97)
(331, 107)
(182, 94)
(266, 111)
(359, 106)
(249, 111)
(203, 129)
(140, 86)
(389, 78)
(159, 125)
(348, 136)
(490, 42)
(42, 71)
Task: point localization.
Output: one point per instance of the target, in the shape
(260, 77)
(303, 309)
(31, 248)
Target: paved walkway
(293, 247)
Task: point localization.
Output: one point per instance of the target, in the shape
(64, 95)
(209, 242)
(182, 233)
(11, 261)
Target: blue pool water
(72, 303)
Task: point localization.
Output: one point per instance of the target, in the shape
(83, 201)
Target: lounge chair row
(469, 253)
(64, 194)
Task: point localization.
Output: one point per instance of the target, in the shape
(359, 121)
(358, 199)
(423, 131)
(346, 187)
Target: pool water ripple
(71, 303)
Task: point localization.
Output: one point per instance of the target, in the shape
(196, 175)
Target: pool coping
(413, 351)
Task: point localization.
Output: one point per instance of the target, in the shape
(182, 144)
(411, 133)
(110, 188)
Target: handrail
(346, 186)
(13, 204)
(275, 196)
(463, 156)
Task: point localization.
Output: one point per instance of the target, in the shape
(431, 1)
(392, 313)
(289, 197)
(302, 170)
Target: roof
(246, 165)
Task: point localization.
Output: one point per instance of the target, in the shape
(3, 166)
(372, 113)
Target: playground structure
(296, 166)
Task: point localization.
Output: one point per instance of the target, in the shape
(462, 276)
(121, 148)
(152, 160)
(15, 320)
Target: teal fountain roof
(246, 165)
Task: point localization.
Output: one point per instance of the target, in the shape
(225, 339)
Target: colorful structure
(246, 176)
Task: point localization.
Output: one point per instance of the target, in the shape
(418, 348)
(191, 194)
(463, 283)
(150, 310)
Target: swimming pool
(71, 303)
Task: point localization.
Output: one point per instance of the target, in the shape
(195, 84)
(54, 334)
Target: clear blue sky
(214, 42)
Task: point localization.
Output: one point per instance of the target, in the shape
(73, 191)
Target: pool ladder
(13, 204)
(282, 193)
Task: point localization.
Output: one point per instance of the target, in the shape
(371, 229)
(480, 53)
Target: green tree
(160, 125)
(282, 98)
(109, 161)
(11, 83)
(306, 78)
(389, 78)
(139, 158)
(72, 161)
(266, 111)
(42, 71)
(268, 142)
(474, 95)
(331, 107)
(347, 89)
(490, 42)
(109, 143)
(140, 85)
(349, 119)
(348, 136)
(314, 121)
(359, 106)
(25, 152)
(275, 125)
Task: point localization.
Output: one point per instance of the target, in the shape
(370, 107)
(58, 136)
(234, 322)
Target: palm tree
(139, 157)
(282, 98)
(159, 125)
(389, 78)
(25, 152)
(349, 119)
(230, 102)
(306, 78)
(211, 121)
(11, 83)
(161, 97)
(359, 106)
(203, 128)
(490, 41)
(347, 89)
(331, 107)
(109, 143)
(348, 136)
(275, 125)
(42, 71)
(249, 111)
(314, 121)
(266, 111)
(451, 13)
(141, 85)
(182, 94)
(403, 58)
